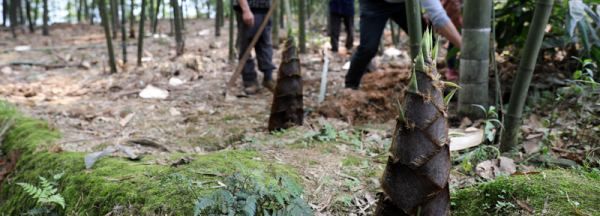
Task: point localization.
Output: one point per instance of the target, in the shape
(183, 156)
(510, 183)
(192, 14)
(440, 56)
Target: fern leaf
(250, 206)
(32, 190)
(56, 199)
(202, 204)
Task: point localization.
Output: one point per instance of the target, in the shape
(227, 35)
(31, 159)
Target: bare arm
(449, 32)
(441, 21)
(247, 15)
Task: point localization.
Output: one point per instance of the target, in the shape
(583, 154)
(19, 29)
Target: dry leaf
(126, 120)
(491, 169)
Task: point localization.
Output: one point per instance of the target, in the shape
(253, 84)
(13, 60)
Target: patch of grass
(351, 160)
(118, 185)
(559, 192)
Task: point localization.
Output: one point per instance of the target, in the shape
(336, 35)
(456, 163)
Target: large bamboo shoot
(287, 108)
(415, 181)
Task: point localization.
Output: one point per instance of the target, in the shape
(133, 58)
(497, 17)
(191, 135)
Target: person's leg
(264, 49)
(245, 34)
(373, 17)
(334, 31)
(349, 25)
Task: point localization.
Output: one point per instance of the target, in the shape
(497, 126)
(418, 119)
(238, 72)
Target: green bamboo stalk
(31, 22)
(114, 15)
(275, 28)
(86, 10)
(141, 33)
(181, 17)
(79, 10)
(13, 17)
(104, 18)
(45, 19)
(282, 21)
(5, 9)
(131, 19)
(155, 18)
(520, 87)
(474, 58)
(123, 31)
(179, 43)
(231, 32)
(288, 15)
(221, 13)
(302, 25)
(413, 13)
(151, 12)
(218, 18)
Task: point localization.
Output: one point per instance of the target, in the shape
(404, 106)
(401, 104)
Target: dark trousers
(335, 21)
(374, 15)
(263, 48)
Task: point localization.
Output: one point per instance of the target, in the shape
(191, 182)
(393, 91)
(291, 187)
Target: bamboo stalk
(413, 13)
(123, 31)
(474, 58)
(104, 18)
(231, 32)
(302, 25)
(535, 36)
(179, 43)
(141, 33)
(45, 19)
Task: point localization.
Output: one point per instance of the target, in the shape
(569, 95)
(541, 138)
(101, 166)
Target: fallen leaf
(125, 121)
(524, 205)
(493, 168)
(466, 139)
(22, 48)
(174, 81)
(465, 122)
(346, 66)
(531, 146)
(174, 111)
(151, 92)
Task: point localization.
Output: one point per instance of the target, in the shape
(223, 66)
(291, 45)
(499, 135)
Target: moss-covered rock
(555, 192)
(118, 185)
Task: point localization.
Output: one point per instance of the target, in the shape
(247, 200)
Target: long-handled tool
(246, 55)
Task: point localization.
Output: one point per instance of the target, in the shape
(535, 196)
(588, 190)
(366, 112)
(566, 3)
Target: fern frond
(55, 199)
(250, 206)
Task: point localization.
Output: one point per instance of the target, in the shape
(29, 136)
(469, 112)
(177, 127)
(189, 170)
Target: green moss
(559, 192)
(136, 188)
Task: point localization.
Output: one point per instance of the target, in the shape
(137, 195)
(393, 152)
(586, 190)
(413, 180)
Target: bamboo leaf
(412, 85)
(436, 47)
(451, 84)
(448, 97)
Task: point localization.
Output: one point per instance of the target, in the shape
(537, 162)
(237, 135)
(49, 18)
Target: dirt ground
(65, 79)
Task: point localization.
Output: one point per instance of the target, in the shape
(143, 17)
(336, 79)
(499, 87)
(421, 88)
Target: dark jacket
(255, 5)
(341, 7)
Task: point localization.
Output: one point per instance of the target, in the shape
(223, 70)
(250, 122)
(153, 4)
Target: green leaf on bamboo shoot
(449, 96)
(412, 85)
(436, 47)
(426, 44)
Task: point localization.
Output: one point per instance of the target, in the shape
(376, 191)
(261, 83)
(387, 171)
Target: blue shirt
(342, 7)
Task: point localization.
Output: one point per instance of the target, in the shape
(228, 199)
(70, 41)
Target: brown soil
(375, 102)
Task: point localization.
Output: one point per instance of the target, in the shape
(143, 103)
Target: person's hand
(248, 18)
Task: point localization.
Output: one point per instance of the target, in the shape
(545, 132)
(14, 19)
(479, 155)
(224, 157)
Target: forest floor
(340, 151)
